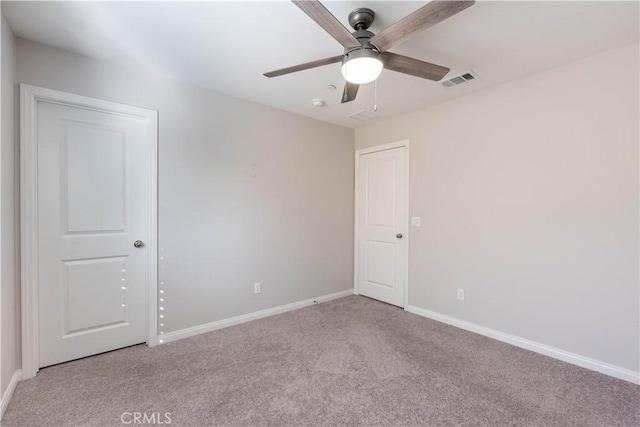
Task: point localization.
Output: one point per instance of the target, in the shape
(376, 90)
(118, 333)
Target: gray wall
(9, 236)
(221, 228)
(528, 194)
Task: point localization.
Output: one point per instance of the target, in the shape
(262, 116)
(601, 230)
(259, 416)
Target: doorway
(381, 231)
(89, 209)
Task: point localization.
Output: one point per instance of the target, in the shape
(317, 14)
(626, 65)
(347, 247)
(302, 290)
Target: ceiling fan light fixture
(361, 66)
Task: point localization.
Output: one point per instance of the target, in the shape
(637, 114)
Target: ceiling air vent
(462, 78)
(364, 116)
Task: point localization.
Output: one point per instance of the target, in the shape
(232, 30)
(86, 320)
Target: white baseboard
(225, 323)
(6, 397)
(556, 353)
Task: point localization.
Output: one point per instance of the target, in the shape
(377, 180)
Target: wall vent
(364, 116)
(462, 78)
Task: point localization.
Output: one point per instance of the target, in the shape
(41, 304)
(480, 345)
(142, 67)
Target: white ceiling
(226, 46)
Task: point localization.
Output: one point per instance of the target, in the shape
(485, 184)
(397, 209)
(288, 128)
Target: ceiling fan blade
(350, 92)
(414, 67)
(305, 66)
(316, 11)
(423, 18)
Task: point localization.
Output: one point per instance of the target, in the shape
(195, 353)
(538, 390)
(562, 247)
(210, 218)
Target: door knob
(138, 243)
(399, 235)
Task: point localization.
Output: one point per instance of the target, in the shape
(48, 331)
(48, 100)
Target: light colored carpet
(352, 361)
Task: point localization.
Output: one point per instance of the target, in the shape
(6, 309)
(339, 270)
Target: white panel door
(91, 209)
(382, 224)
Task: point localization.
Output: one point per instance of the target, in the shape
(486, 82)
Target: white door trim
(405, 241)
(29, 98)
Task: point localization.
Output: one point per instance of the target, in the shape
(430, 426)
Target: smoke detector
(317, 102)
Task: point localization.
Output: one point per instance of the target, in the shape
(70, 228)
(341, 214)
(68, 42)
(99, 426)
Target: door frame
(385, 147)
(29, 98)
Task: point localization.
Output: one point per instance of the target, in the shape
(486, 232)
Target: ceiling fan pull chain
(375, 95)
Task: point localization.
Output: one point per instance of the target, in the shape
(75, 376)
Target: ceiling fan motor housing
(363, 36)
(365, 49)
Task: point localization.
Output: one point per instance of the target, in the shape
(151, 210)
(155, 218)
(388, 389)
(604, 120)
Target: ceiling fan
(366, 54)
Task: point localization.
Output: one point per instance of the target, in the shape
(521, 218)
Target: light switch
(415, 221)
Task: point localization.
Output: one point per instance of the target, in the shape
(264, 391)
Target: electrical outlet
(256, 288)
(461, 294)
